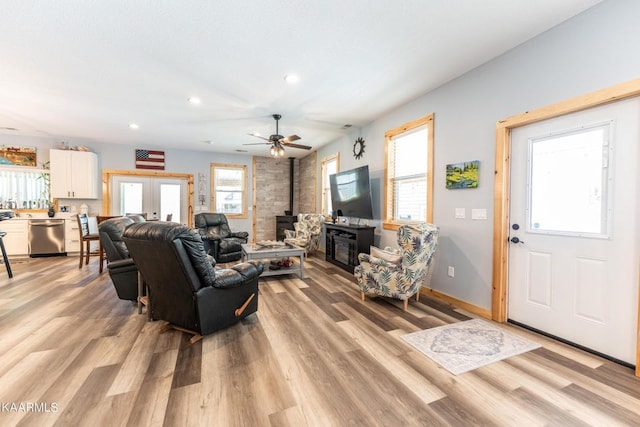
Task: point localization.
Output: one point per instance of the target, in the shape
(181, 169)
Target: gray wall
(592, 51)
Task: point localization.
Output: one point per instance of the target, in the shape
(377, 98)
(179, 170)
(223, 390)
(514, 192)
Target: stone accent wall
(271, 195)
(308, 183)
(271, 191)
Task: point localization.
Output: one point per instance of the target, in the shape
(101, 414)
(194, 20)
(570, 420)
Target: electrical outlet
(451, 271)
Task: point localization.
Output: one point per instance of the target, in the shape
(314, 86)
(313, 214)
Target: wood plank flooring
(313, 355)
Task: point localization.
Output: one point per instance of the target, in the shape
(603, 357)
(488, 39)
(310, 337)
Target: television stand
(345, 242)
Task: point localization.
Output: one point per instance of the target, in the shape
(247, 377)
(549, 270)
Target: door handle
(516, 240)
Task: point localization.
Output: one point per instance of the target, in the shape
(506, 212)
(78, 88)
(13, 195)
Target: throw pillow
(385, 255)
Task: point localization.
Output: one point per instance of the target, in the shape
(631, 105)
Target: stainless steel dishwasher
(46, 237)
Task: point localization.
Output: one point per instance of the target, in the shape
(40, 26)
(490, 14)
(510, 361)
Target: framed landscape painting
(463, 175)
(18, 156)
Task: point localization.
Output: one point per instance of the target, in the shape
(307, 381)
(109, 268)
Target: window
(229, 189)
(170, 201)
(329, 166)
(131, 197)
(567, 183)
(409, 173)
(24, 189)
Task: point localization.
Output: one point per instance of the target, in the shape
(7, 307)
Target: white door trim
(502, 184)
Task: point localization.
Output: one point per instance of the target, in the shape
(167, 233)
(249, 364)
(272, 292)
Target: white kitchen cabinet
(16, 242)
(74, 174)
(71, 235)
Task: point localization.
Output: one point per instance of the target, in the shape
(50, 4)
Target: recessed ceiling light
(134, 126)
(241, 151)
(291, 78)
(8, 128)
(208, 141)
(194, 100)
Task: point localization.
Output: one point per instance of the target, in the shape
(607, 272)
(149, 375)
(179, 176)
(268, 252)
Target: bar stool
(5, 259)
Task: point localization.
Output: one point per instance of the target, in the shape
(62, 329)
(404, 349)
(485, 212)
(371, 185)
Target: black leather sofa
(185, 288)
(121, 268)
(219, 241)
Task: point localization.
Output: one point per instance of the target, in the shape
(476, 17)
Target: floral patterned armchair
(399, 273)
(307, 232)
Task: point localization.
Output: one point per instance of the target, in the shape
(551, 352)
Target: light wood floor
(314, 354)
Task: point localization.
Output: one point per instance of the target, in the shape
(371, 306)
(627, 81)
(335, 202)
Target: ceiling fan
(278, 142)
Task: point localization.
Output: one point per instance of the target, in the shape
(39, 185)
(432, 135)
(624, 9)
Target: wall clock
(358, 148)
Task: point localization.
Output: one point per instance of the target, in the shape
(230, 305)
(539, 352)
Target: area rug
(464, 346)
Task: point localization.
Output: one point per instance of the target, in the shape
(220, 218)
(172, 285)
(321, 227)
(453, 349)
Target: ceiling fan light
(273, 151)
(281, 151)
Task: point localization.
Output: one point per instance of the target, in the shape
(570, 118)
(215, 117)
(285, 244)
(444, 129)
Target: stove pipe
(291, 176)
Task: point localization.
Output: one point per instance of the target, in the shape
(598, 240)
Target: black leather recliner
(185, 288)
(122, 269)
(219, 241)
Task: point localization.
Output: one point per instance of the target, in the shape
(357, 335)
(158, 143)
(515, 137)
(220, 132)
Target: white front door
(157, 197)
(574, 217)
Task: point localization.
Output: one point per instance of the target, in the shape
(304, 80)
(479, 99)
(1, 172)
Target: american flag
(149, 159)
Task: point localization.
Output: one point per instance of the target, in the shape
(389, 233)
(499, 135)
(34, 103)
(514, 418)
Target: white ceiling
(85, 69)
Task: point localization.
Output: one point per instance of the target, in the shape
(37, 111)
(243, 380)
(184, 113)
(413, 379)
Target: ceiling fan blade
(258, 136)
(277, 142)
(290, 138)
(304, 147)
(258, 143)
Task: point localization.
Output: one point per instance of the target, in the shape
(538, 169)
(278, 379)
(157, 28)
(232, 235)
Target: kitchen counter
(43, 215)
(17, 239)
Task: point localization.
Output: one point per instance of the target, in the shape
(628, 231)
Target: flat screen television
(351, 193)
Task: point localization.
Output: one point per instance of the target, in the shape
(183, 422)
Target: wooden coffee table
(266, 252)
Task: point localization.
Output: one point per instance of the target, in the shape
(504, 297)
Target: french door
(574, 227)
(158, 197)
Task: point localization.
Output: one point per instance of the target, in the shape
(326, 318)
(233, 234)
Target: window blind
(408, 163)
(23, 190)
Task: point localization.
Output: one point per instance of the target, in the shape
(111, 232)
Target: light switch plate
(478, 214)
(461, 213)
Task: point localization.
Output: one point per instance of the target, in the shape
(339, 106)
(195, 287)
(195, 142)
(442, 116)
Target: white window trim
(607, 174)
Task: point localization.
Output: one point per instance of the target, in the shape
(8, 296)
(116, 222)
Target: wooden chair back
(86, 237)
(83, 226)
